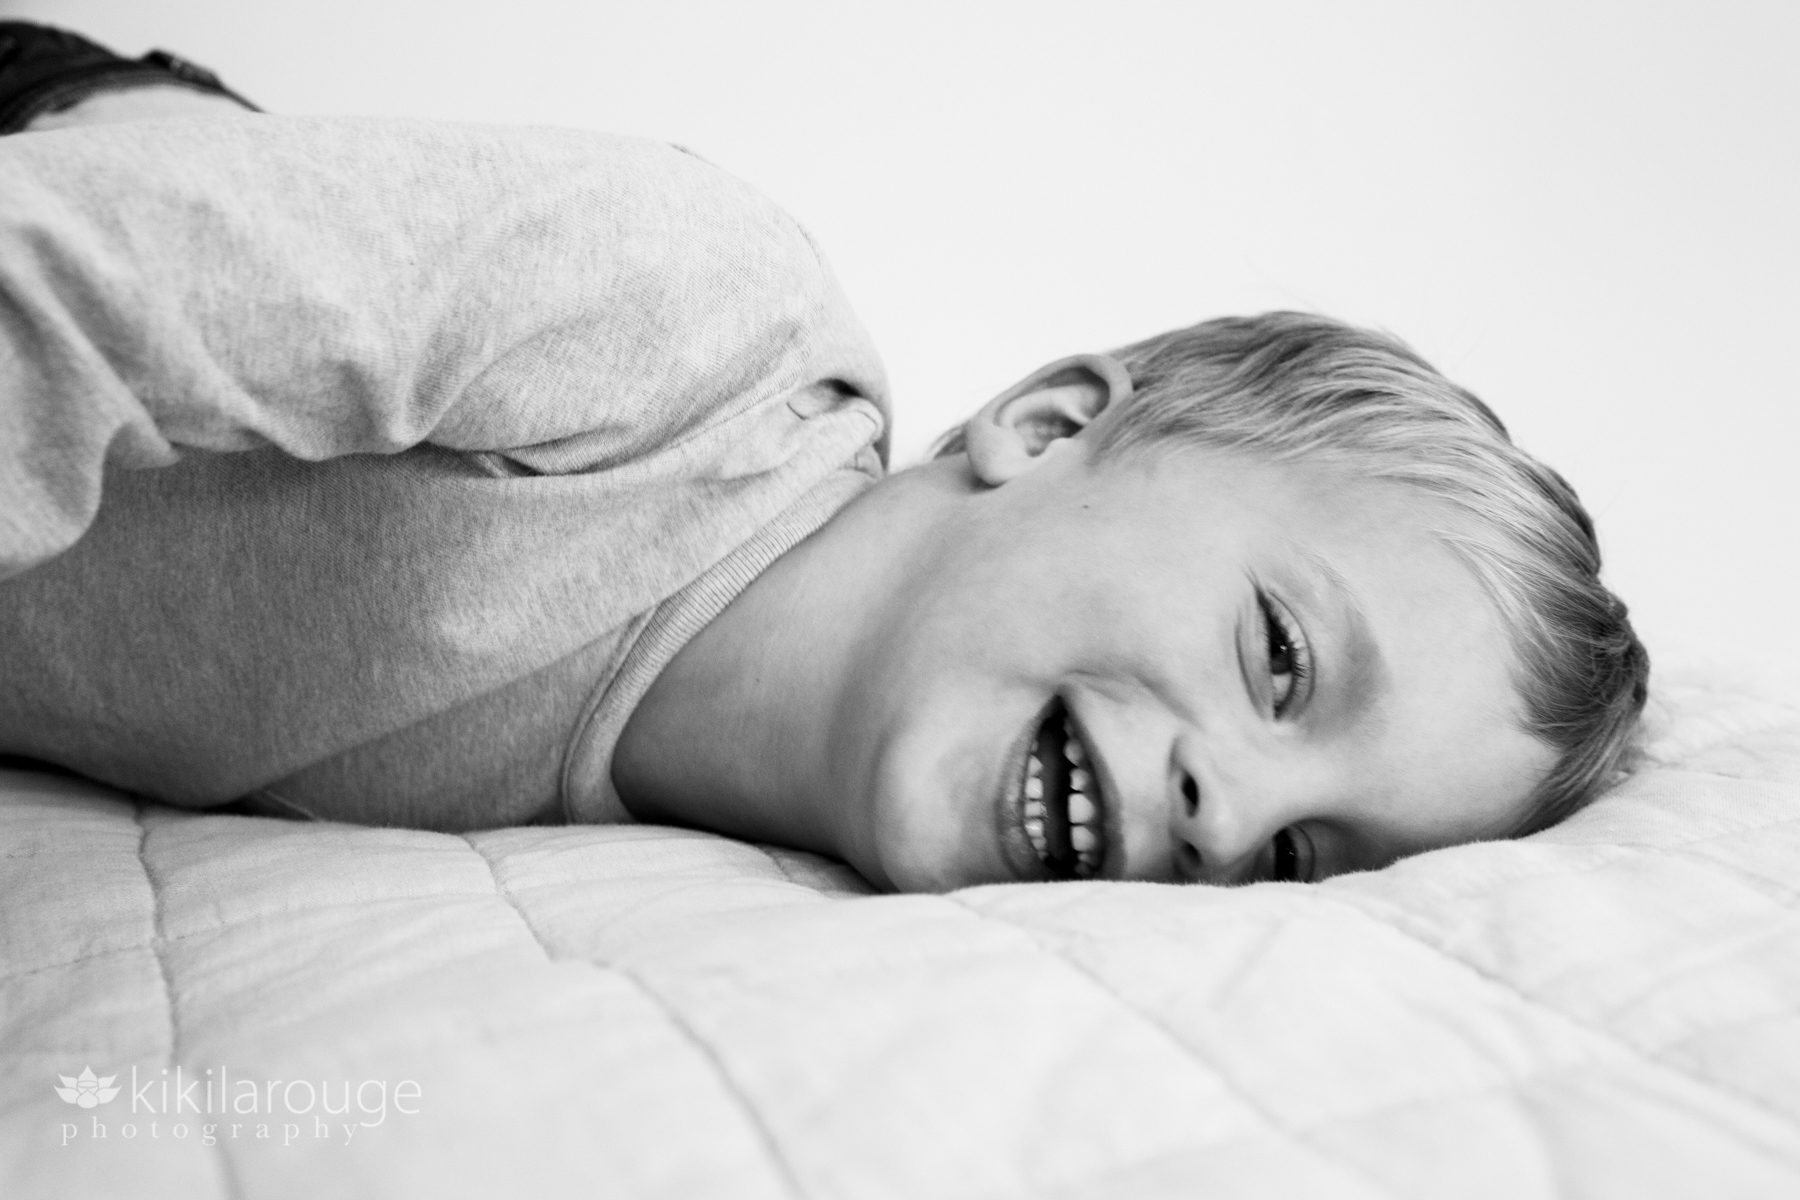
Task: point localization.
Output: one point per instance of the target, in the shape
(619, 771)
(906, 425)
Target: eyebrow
(1357, 670)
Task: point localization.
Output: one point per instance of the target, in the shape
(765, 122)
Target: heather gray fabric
(457, 434)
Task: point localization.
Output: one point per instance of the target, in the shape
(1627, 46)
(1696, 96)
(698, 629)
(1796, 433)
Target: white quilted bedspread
(1609, 1009)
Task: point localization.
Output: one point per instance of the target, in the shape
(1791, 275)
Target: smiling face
(1020, 663)
(1267, 670)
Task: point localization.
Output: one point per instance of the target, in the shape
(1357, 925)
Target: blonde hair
(1293, 385)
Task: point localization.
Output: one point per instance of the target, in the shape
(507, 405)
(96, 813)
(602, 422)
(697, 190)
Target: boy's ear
(1012, 432)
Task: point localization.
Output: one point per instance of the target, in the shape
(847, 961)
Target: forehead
(1307, 498)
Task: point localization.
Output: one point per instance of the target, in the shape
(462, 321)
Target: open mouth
(1061, 806)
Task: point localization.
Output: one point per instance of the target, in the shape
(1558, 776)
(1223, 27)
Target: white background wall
(1586, 210)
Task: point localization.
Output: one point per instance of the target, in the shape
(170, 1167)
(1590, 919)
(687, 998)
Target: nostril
(1190, 860)
(1190, 794)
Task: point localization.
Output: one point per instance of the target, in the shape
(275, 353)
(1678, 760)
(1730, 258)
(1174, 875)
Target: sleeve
(334, 287)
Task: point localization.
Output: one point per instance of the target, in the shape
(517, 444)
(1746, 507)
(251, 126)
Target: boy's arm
(336, 287)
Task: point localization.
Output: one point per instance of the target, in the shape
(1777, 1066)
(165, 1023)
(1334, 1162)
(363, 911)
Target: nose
(1222, 821)
(1184, 813)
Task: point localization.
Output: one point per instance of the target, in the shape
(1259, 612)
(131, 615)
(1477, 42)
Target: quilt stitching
(1769, 888)
(1510, 1084)
(159, 943)
(707, 1054)
(1689, 851)
(779, 865)
(166, 939)
(784, 1170)
(1736, 831)
(506, 896)
(1297, 1133)
(222, 1157)
(1399, 924)
(1506, 1087)
(1738, 774)
(1624, 848)
(618, 913)
(155, 941)
(89, 956)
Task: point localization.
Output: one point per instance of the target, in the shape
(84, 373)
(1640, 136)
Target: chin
(909, 879)
(928, 850)
(920, 832)
(895, 866)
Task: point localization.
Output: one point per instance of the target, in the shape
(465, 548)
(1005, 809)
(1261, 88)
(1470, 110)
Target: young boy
(458, 477)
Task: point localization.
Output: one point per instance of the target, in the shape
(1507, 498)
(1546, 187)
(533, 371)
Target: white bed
(1608, 1009)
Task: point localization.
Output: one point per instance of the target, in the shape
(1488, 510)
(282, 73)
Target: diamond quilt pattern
(1611, 1008)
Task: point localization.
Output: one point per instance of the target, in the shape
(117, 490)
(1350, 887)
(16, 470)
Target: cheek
(1155, 626)
(993, 617)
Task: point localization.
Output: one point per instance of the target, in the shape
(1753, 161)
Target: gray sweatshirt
(372, 470)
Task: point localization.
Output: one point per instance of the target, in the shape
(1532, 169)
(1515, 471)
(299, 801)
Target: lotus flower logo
(87, 1090)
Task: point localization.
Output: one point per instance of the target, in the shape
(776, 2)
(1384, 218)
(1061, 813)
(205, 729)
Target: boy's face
(1271, 671)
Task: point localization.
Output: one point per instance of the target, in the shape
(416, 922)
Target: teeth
(1034, 826)
(1085, 837)
(1081, 809)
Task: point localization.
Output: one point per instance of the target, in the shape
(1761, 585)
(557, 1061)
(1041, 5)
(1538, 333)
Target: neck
(736, 734)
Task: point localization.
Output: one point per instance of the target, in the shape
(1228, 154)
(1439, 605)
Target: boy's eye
(1289, 661)
(1287, 867)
